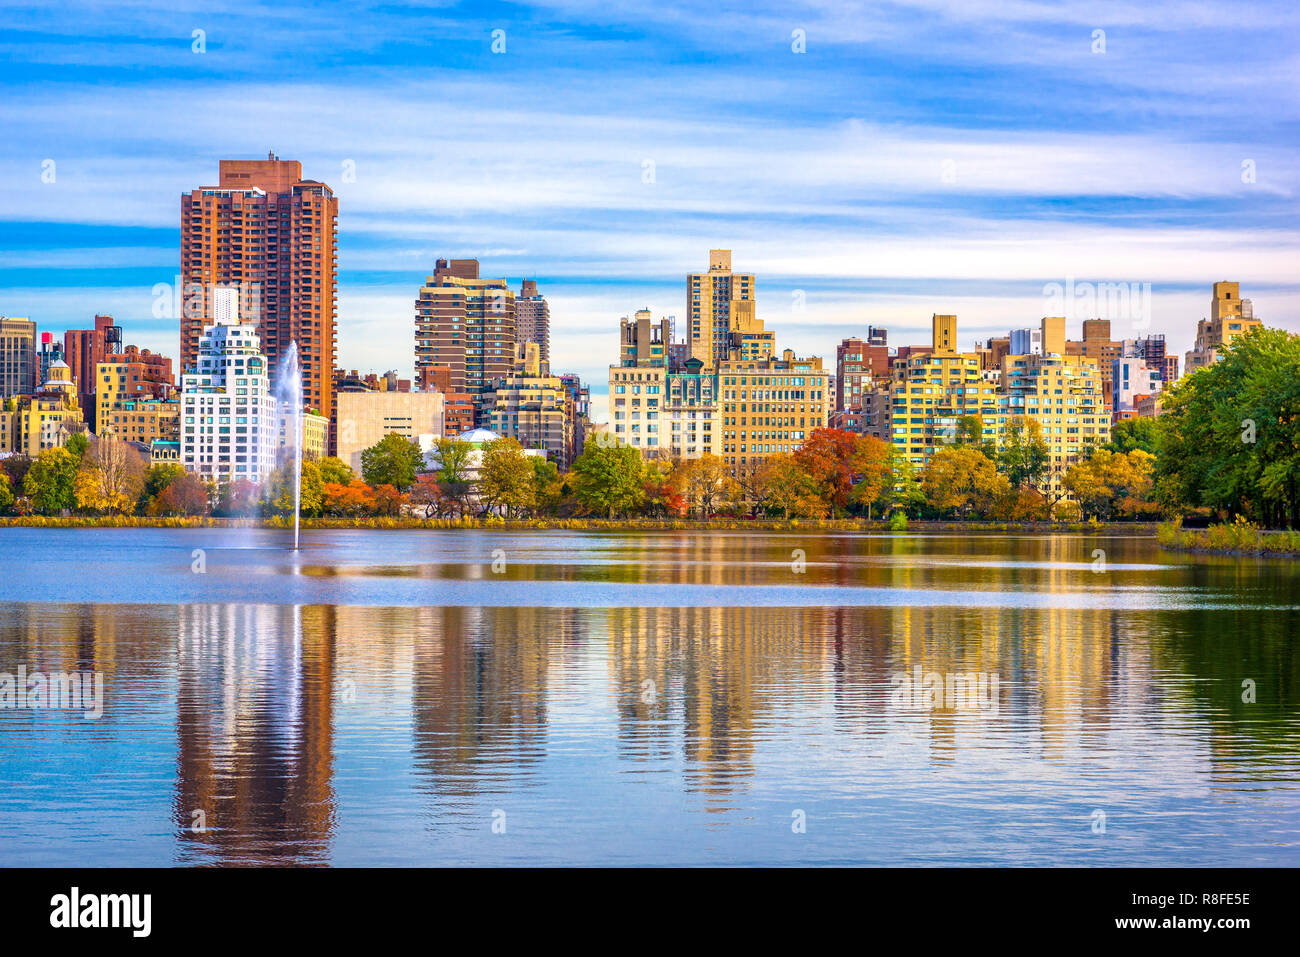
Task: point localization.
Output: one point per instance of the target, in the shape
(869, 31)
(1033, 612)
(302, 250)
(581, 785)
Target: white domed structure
(478, 437)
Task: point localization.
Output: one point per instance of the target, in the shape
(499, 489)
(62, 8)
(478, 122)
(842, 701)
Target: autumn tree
(185, 494)
(838, 460)
(506, 478)
(110, 476)
(1111, 484)
(962, 480)
(702, 483)
(355, 498)
(788, 490)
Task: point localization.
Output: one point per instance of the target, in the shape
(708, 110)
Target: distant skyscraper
(465, 324)
(18, 360)
(533, 319)
(268, 236)
(711, 311)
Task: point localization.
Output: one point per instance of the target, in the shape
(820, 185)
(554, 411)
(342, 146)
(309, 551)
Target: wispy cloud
(927, 155)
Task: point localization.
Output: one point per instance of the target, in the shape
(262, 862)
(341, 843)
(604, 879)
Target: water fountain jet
(288, 397)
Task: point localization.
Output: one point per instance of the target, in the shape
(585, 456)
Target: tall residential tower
(270, 234)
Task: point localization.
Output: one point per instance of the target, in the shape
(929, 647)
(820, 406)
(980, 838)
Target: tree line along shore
(1224, 453)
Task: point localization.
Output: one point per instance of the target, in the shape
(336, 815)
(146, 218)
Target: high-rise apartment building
(1230, 317)
(230, 426)
(1132, 377)
(465, 324)
(577, 413)
(533, 319)
(19, 362)
(271, 236)
(1152, 349)
(711, 310)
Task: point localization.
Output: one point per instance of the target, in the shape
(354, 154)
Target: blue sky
(918, 157)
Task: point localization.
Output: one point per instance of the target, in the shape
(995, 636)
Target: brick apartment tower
(466, 325)
(272, 234)
(83, 351)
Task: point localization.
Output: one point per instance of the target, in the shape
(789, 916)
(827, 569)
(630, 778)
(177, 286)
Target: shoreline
(571, 524)
(1241, 541)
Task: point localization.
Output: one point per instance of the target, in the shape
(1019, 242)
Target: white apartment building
(229, 426)
(1132, 377)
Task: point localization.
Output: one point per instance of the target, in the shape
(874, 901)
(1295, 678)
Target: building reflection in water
(254, 719)
(276, 707)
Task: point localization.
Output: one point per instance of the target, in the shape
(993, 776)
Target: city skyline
(961, 179)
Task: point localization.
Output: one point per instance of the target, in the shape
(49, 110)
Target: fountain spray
(289, 398)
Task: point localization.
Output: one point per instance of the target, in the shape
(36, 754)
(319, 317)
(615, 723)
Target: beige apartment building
(29, 424)
(530, 406)
(712, 310)
(1063, 394)
(1230, 317)
(366, 417)
(769, 406)
(932, 391)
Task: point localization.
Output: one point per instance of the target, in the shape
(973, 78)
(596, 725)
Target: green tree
(1130, 434)
(901, 490)
(608, 479)
(335, 470)
(1024, 457)
(51, 482)
(546, 485)
(6, 493)
(77, 444)
(455, 468)
(969, 434)
(1229, 436)
(962, 480)
(506, 477)
(393, 460)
